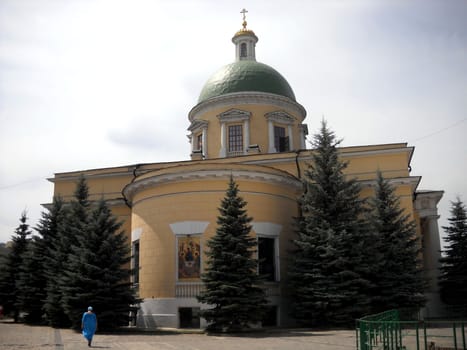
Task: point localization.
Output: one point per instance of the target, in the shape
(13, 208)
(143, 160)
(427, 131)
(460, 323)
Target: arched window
(243, 50)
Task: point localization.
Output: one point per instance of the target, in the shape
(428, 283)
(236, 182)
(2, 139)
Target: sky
(99, 83)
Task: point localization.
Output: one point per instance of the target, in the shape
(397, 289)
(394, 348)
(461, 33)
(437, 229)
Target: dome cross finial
(244, 12)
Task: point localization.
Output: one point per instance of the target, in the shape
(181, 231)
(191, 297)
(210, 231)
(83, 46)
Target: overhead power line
(441, 130)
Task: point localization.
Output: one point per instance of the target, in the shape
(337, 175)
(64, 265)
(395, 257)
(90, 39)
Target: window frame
(235, 140)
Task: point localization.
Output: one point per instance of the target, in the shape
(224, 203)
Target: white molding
(411, 180)
(197, 125)
(188, 227)
(267, 229)
(355, 154)
(73, 175)
(247, 98)
(280, 117)
(233, 115)
(136, 234)
(206, 174)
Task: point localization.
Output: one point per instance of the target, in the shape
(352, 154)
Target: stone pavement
(22, 337)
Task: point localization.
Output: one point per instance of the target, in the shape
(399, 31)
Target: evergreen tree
(453, 277)
(329, 272)
(52, 228)
(37, 275)
(232, 284)
(399, 282)
(71, 229)
(9, 276)
(3, 251)
(32, 281)
(96, 272)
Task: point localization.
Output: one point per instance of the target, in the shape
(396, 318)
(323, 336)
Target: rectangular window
(281, 142)
(243, 50)
(235, 139)
(267, 258)
(199, 142)
(135, 262)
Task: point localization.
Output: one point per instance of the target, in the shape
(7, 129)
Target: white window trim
(279, 118)
(230, 117)
(270, 230)
(199, 127)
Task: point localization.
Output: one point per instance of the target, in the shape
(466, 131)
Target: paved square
(22, 337)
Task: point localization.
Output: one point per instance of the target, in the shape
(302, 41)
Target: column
(272, 148)
(205, 143)
(222, 151)
(426, 206)
(246, 140)
(192, 142)
(289, 131)
(431, 264)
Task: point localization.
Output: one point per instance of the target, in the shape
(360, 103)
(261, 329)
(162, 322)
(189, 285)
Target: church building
(246, 124)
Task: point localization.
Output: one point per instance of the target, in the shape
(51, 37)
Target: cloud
(151, 137)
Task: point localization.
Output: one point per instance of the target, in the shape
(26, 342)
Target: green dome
(242, 76)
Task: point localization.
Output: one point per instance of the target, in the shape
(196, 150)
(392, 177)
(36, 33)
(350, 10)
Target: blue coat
(89, 322)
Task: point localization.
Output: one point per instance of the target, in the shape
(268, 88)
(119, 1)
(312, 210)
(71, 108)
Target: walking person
(89, 325)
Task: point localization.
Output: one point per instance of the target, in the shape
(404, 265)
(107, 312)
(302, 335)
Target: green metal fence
(386, 331)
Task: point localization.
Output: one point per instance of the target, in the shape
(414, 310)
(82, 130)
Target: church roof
(246, 76)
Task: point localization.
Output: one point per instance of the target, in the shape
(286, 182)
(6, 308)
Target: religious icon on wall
(189, 258)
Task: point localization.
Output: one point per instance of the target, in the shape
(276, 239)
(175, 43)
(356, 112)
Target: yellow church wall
(157, 270)
(123, 214)
(161, 204)
(392, 166)
(101, 183)
(364, 161)
(156, 208)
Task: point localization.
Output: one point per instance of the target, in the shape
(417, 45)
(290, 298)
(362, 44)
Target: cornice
(412, 181)
(88, 174)
(112, 202)
(209, 174)
(365, 153)
(242, 98)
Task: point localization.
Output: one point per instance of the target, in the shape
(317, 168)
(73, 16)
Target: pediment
(234, 114)
(197, 125)
(280, 117)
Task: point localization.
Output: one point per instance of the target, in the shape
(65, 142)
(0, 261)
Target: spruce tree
(329, 272)
(453, 277)
(9, 276)
(32, 281)
(233, 290)
(96, 272)
(398, 283)
(52, 228)
(38, 274)
(72, 228)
